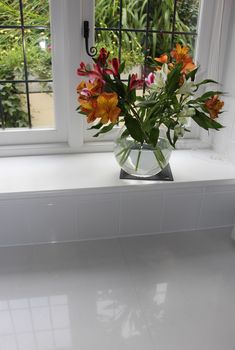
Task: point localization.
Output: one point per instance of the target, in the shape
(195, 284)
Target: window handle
(92, 51)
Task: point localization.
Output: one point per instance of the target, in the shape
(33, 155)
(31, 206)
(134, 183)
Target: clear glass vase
(141, 160)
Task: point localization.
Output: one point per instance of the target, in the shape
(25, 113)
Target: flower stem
(160, 157)
(138, 159)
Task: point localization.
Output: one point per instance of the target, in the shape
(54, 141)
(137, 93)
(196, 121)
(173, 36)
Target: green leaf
(192, 74)
(134, 129)
(105, 129)
(146, 103)
(173, 78)
(205, 122)
(121, 68)
(132, 96)
(207, 81)
(97, 126)
(209, 94)
(125, 133)
(154, 135)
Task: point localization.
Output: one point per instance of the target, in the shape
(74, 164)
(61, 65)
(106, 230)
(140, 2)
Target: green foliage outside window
(134, 15)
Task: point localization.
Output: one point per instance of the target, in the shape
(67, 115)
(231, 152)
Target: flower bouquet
(151, 123)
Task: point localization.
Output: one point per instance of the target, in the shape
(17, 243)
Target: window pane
(36, 12)
(41, 105)
(9, 12)
(186, 40)
(26, 57)
(161, 14)
(14, 112)
(158, 44)
(38, 53)
(134, 14)
(146, 27)
(108, 39)
(188, 11)
(107, 14)
(11, 57)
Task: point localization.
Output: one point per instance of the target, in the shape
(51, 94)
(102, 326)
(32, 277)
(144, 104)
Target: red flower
(135, 83)
(82, 70)
(103, 56)
(115, 64)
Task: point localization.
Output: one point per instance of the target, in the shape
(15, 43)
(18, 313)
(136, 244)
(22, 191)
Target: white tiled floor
(166, 292)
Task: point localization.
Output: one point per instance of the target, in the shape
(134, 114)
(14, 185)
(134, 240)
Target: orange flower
(162, 59)
(214, 105)
(89, 106)
(90, 88)
(95, 87)
(180, 54)
(107, 108)
(81, 86)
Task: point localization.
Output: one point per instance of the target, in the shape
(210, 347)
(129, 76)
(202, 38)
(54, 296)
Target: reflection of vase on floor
(141, 159)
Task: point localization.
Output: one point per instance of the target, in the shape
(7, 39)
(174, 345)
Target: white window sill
(91, 172)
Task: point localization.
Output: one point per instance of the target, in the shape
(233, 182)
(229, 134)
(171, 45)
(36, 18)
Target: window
(25, 74)
(128, 34)
(132, 30)
(27, 41)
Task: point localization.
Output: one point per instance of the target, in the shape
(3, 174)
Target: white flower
(160, 78)
(186, 88)
(185, 114)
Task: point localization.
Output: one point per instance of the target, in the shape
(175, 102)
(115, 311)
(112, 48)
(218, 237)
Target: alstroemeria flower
(89, 106)
(135, 83)
(214, 105)
(95, 73)
(150, 79)
(83, 70)
(162, 59)
(180, 54)
(107, 108)
(185, 113)
(103, 56)
(115, 67)
(160, 77)
(81, 86)
(90, 88)
(186, 88)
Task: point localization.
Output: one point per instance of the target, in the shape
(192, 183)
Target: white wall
(70, 215)
(224, 140)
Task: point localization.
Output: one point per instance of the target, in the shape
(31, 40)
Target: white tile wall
(181, 209)
(141, 212)
(217, 209)
(14, 222)
(68, 217)
(51, 219)
(97, 215)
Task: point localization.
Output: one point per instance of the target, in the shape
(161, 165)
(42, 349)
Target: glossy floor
(166, 292)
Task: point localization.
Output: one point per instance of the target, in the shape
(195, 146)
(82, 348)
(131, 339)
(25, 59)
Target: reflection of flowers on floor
(110, 309)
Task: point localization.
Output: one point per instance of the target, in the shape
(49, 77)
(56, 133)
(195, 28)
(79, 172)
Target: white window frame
(67, 18)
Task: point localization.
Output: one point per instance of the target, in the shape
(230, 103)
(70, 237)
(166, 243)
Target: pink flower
(82, 70)
(135, 83)
(150, 79)
(96, 73)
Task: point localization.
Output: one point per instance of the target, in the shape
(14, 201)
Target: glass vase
(141, 160)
